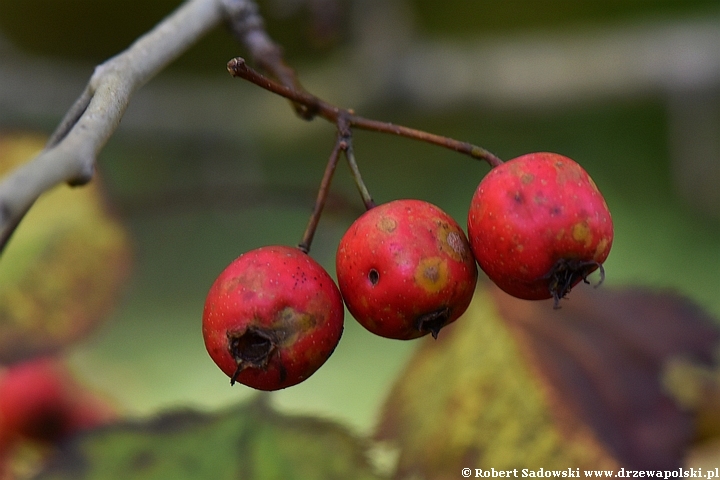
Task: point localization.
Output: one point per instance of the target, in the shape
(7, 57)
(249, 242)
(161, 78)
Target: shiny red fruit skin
(401, 261)
(532, 212)
(284, 292)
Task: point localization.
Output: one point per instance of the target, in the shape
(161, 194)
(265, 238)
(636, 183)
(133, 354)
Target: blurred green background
(205, 167)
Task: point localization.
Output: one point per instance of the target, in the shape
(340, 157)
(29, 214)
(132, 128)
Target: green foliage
(248, 442)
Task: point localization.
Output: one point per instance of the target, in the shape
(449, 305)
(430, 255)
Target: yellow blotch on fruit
(432, 274)
(387, 225)
(601, 247)
(581, 233)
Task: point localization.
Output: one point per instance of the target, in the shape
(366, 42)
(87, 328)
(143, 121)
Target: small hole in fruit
(250, 349)
(374, 276)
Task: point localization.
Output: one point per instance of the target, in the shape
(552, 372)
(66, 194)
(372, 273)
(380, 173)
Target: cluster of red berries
(537, 226)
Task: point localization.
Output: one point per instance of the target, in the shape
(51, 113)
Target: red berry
(272, 318)
(405, 269)
(34, 401)
(538, 225)
(39, 400)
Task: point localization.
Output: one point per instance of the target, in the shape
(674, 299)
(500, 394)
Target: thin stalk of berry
(364, 193)
(322, 195)
(346, 133)
(318, 107)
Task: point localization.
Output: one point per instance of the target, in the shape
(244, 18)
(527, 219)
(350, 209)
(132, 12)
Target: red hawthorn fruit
(538, 225)
(272, 318)
(405, 269)
(41, 401)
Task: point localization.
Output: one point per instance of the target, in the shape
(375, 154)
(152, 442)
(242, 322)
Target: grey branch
(71, 152)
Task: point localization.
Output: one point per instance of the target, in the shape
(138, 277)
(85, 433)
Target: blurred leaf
(605, 355)
(696, 387)
(249, 442)
(516, 383)
(469, 400)
(62, 270)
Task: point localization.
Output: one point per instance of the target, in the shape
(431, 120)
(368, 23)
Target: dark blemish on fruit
(432, 273)
(250, 349)
(374, 276)
(565, 273)
(456, 243)
(289, 322)
(432, 322)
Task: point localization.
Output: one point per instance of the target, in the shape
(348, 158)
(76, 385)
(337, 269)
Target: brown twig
(248, 26)
(315, 106)
(310, 106)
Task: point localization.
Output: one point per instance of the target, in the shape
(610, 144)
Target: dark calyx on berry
(566, 273)
(251, 349)
(432, 322)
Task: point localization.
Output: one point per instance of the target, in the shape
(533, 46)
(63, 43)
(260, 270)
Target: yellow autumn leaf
(469, 400)
(62, 271)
